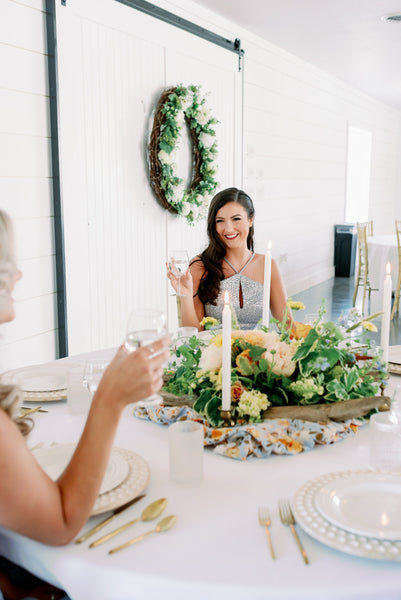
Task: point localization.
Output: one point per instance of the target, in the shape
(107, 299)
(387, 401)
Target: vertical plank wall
(295, 125)
(113, 64)
(25, 180)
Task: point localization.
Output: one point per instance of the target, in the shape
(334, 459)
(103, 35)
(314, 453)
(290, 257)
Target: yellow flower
(295, 304)
(251, 403)
(211, 321)
(369, 326)
(216, 378)
(218, 340)
(255, 337)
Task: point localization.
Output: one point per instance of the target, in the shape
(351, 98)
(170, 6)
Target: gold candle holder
(227, 417)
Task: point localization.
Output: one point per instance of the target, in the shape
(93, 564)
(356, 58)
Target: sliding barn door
(113, 63)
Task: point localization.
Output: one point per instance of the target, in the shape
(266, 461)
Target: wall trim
(51, 33)
(172, 19)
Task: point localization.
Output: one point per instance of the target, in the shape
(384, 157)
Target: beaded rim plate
(313, 522)
(394, 368)
(131, 486)
(39, 383)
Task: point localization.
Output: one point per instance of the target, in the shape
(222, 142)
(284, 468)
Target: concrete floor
(337, 293)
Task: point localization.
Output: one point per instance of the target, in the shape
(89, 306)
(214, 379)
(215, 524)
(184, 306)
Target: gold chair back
(369, 227)
(398, 286)
(362, 278)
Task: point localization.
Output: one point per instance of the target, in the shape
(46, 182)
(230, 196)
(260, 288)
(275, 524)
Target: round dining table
(217, 548)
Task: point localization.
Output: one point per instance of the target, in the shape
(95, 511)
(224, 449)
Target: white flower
(207, 139)
(180, 117)
(178, 192)
(187, 101)
(203, 116)
(211, 358)
(279, 355)
(166, 158)
(186, 209)
(195, 211)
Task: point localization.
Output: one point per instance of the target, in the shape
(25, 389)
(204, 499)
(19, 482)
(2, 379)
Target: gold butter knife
(29, 411)
(103, 523)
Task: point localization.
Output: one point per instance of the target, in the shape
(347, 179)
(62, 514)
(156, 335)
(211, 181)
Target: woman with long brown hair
(229, 263)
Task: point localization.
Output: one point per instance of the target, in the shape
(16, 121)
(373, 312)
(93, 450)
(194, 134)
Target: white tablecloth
(217, 548)
(382, 249)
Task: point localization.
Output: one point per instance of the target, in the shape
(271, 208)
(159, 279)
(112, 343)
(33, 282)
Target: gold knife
(100, 525)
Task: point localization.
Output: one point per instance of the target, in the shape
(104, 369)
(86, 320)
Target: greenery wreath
(176, 106)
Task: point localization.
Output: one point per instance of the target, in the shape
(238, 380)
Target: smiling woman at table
(30, 502)
(229, 263)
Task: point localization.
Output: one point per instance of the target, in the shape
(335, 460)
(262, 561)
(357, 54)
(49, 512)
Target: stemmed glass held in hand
(178, 265)
(144, 327)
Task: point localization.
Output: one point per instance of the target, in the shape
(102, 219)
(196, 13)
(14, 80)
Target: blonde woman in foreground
(30, 502)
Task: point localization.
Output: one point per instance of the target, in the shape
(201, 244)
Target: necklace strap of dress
(245, 265)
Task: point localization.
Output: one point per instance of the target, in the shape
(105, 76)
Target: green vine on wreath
(177, 106)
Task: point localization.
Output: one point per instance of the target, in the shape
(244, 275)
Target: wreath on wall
(178, 106)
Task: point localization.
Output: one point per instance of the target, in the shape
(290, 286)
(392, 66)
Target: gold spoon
(149, 513)
(163, 525)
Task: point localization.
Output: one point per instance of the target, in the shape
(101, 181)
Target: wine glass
(144, 327)
(93, 372)
(178, 264)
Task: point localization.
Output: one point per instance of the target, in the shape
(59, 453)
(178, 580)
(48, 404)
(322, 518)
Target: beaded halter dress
(249, 311)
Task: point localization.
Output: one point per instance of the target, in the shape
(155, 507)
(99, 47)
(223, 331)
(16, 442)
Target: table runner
(273, 436)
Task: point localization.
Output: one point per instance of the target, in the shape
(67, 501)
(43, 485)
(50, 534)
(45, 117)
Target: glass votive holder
(78, 397)
(385, 442)
(186, 452)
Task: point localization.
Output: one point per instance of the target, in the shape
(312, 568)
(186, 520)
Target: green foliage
(323, 367)
(187, 104)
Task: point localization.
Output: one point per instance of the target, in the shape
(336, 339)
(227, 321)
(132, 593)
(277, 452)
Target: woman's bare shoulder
(197, 265)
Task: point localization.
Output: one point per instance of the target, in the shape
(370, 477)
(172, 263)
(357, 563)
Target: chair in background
(369, 227)
(362, 278)
(397, 289)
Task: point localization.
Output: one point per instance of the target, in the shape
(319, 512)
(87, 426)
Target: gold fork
(287, 518)
(264, 520)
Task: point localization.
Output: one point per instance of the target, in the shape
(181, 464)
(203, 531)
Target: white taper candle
(387, 292)
(226, 379)
(266, 285)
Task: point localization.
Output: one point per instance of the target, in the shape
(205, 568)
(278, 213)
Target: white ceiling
(346, 38)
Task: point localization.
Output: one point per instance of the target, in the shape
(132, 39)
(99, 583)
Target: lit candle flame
(388, 268)
(226, 296)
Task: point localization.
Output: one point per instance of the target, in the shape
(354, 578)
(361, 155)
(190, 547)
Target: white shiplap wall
(295, 131)
(25, 180)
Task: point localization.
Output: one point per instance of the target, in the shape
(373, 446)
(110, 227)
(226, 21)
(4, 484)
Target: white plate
(38, 378)
(394, 354)
(366, 503)
(54, 459)
(317, 526)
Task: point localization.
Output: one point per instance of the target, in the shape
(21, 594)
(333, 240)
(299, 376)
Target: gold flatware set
(287, 518)
(25, 410)
(163, 525)
(151, 512)
(105, 522)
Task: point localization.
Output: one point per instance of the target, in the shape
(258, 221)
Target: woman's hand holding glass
(136, 376)
(181, 282)
(177, 270)
(144, 328)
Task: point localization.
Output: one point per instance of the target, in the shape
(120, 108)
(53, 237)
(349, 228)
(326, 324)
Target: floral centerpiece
(298, 365)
